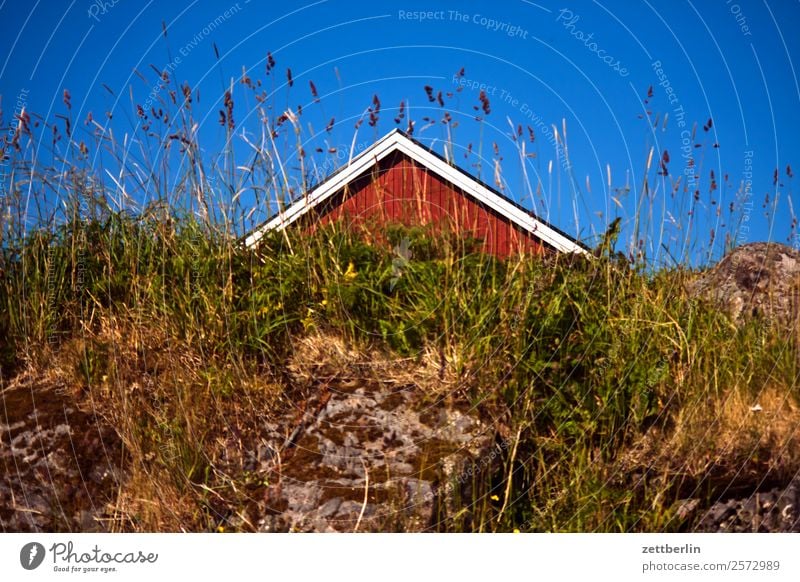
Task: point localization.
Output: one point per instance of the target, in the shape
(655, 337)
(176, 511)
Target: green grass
(582, 358)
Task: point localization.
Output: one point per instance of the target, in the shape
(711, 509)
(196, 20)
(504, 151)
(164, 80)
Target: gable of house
(400, 181)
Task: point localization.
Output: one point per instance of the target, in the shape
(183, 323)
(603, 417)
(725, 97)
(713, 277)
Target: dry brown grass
(728, 445)
(323, 355)
(180, 416)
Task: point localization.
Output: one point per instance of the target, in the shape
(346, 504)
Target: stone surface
(351, 448)
(373, 457)
(58, 464)
(776, 510)
(758, 279)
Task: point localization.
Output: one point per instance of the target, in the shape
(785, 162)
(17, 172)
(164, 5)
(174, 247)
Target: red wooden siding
(399, 190)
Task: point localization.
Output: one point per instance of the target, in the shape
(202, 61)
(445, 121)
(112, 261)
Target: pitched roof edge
(398, 140)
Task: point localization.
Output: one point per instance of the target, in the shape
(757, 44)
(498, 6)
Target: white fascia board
(489, 198)
(356, 166)
(397, 141)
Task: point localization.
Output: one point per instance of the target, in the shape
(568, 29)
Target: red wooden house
(398, 180)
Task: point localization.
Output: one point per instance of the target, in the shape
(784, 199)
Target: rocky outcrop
(776, 510)
(373, 457)
(58, 463)
(373, 448)
(772, 510)
(360, 443)
(758, 280)
(755, 280)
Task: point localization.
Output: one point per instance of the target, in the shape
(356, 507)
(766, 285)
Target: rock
(330, 507)
(687, 508)
(776, 510)
(374, 455)
(755, 280)
(60, 468)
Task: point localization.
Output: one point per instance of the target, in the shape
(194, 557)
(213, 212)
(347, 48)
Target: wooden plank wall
(399, 190)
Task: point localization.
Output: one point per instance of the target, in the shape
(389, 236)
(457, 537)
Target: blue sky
(586, 65)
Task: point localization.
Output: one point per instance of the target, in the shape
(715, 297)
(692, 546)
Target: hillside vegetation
(610, 394)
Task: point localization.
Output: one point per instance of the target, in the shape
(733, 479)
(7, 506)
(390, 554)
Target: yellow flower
(267, 308)
(516, 530)
(351, 273)
(308, 320)
(324, 302)
(221, 529)
(494, 498)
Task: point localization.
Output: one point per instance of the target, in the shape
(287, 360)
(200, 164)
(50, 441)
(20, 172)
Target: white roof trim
(397, 141)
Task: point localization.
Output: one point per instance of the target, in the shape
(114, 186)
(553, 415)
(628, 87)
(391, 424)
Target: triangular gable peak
(506, 218)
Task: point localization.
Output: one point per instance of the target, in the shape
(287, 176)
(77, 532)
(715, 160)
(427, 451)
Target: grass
(619, 393)
(613, 391)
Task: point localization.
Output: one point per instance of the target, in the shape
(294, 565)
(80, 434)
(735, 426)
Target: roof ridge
(398, 140)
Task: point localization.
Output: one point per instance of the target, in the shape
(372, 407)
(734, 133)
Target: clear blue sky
(587, 63)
